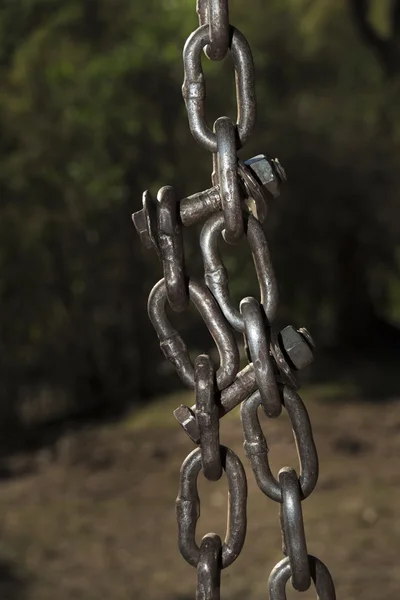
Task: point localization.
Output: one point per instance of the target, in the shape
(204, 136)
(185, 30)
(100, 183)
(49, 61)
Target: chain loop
(256, 448)
(173, 346)
(187, 507)
(294, 539)
(194, 92)
(170, 242)
(319, 574)
(215, 13)
(209, 569)
(258, 344)
(207, 415)
(216, 277)
(228, 180)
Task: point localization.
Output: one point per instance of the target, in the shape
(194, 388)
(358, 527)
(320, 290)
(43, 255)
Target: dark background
(91, 114)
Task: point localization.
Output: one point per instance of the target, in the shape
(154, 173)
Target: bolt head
(296, 347)
(187, 419)
(268, 172)
(139, 221)
(145, 222)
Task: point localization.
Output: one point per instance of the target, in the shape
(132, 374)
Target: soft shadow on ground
(98, 520)
(13, 586)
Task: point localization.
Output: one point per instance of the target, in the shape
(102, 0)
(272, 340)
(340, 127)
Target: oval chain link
(188, 507)
(194, 91)
(320, 575)
(216, 277)
(256, 447)
(173, 346)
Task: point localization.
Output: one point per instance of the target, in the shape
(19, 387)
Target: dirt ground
(94, 518)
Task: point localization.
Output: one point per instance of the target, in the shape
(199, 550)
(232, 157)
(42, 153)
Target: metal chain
(234, 208)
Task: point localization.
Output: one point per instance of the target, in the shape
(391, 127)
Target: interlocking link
(319, 574)
(234, 209)
(187, 507)
(194, 91)
(216, 14)
(293, 536)
(215, 274)
(207, 415)
(256, 448)
(209, 569)
(173, 346)
(228, 180)
(171, 249)
(257, 335)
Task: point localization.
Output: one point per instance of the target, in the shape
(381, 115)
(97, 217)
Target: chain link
(173, 346)
(207, 416)
(208, 568)
(256, 447)
(233, 208)
(194, 91)
(188, 507)
(293, 536)
(216, 276)
(320, 575)
(215, 13)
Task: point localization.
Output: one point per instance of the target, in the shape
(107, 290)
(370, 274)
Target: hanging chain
(234, 209)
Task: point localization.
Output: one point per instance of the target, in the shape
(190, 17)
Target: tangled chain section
(233, 209)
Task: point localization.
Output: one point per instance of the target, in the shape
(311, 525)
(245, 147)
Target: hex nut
(296, 347)
(268, 172)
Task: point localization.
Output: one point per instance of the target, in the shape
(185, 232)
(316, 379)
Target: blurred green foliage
(91, 114)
